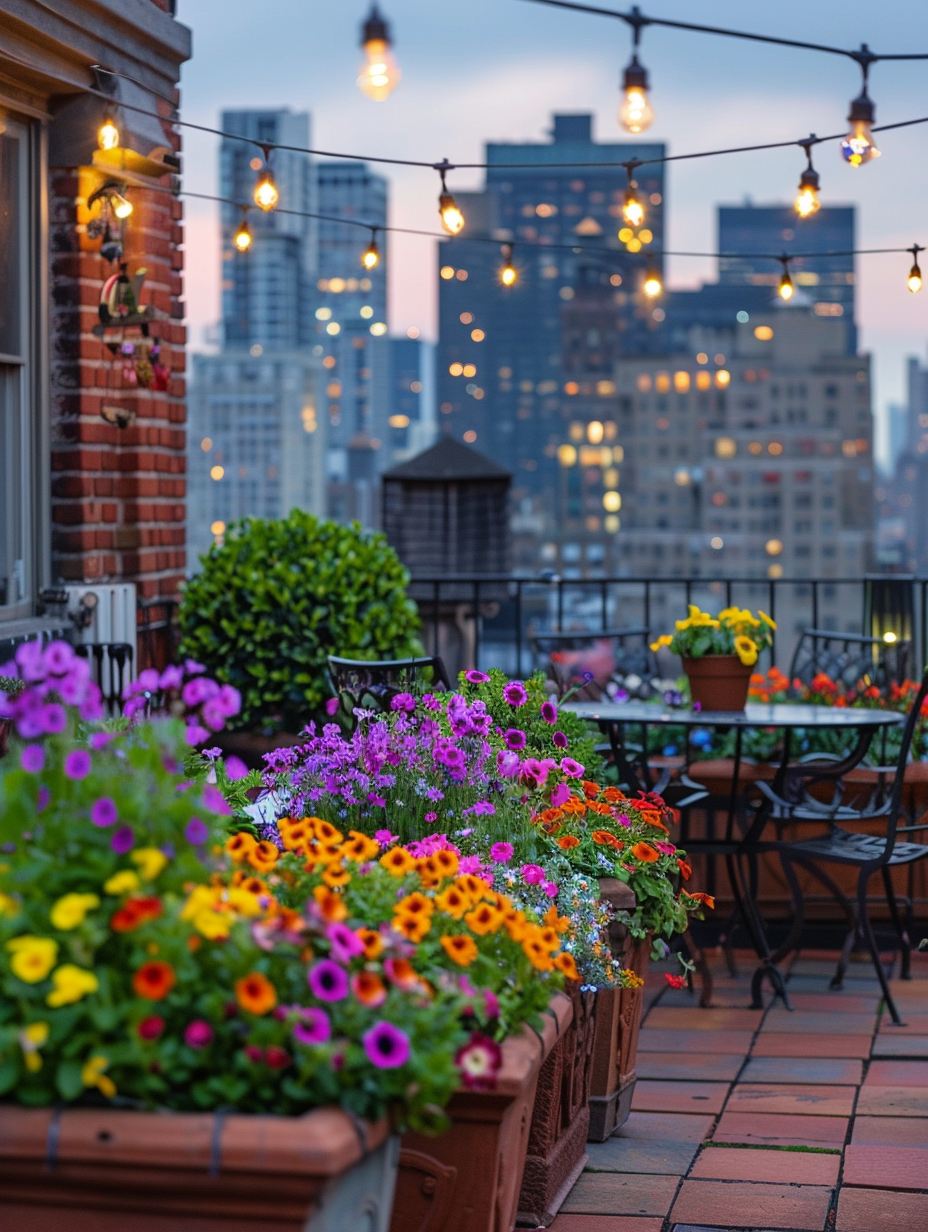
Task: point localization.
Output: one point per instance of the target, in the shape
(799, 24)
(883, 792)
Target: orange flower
(360, 848)
(706, 899)
(398, 861)
(514, 923)
(325, 831)
(686, 870)
(452, 902)
(414, 904)
(551, 815)
(296, 836)
(429, 872)
(652, 819)
(263, 856)
(462, 950)
(368, 988)
(471, 887)
(574, 806)
(447, 861)
(239, 845)
(595, 806)
(590, 790)
(537, 953)
(549, 937)
(565, 962)
(134, 913)
(336, 875)
(484, 919)
(553, 920)
(614, 796)
(568, 841)
(372, 942)
(154, 980)
(255, 993)
(606, 839)
(403, 974)
(414, 927)
(331, 905)
(645, 852)
(247, 881)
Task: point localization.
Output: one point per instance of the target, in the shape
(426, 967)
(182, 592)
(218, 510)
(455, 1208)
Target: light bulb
(914, 280)
(632, 210)
(452, 220)
(122, 208)
(635, 114)
(242, 237)
(108, 136)
(266, 193)
(508, 275)
(652, 285)
(857, 147)
(379, 72)
(786, 287)
(807, 199)
(370, 258)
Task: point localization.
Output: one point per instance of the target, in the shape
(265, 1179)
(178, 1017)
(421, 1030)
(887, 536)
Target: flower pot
(718, 682)
(468, 1179)
(616, 1025)
(102, 1170)
(560, 1118)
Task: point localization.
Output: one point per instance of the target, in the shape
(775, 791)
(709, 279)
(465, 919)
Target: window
(20, 446)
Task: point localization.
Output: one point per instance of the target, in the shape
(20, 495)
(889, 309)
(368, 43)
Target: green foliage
(277, 597)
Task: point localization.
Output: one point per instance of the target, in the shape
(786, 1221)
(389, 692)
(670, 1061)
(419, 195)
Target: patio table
(863, 724)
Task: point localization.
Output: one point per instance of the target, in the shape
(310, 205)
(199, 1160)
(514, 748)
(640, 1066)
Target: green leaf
(68, 1079)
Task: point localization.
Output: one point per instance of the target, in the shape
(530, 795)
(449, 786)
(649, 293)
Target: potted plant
(718, 654)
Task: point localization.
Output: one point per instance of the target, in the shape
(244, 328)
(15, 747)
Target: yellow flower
(150, 861)
(664, 640)
(746, 650)
(243, 901)
(211, 925)
(93, 1075)
(31, 1039)
(71, 984)
(33, 957)
(766, 619)
(125, 882)
(69, 911)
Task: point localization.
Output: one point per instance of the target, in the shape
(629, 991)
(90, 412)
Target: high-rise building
(903, 502)
(411, 417)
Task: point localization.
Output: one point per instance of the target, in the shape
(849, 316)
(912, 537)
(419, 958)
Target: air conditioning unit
(105, 631)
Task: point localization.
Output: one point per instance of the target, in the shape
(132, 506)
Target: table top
(755, 714)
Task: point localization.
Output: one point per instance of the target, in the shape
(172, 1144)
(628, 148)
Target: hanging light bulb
(508, 275)
(635, 114)
(108, 136)
(807, 200)
(242, 237)
(379, 72)
(266, 192)
(370, 258)
(652, 285)
(121, 206)
(857, 147)
(914, 280)
(786, 287)
(633, 208)
(452, 220)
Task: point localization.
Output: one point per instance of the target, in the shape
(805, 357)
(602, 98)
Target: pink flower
(32, 758)
(475, 677)
(385, 838)
(331, 706)
(77, 764)
(514, 738)
(235, 768)
(198, 1034)
(533, 874)
(314, 1026)
(549, 712)
(103, 812)
(123, 840)
(572, 768)
(328, 981)
(515, 694)
(491, 1005)
(277, 1058)
(549, 888)
(387, 1047)
(675, 981)
(345, 942)
(479, 1061)
(215, 801)
(560, 739)
(501, 853)
(150, 1028)
(560, 795)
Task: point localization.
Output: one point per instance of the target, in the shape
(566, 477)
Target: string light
(108, 137)
(652, 285)
(508, 275)
(786, 287)
(635, 112)
(452, 220)
(370, 258)
(267, 194)
(379, 71)
(857, 147)
(807, 199)
(242, 237)
(914, 280)
(633, 209)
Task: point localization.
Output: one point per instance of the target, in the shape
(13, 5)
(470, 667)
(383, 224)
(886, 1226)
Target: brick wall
(118, 494)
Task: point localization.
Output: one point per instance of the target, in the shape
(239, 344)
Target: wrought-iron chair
(869, 853)
(851, 660)
(110, 668)
(595, 664)
(373, 685)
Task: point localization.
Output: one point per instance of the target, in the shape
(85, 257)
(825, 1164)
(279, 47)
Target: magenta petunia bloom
(123, 840)
(32, 758)
(533, 874)
(345, 942)
(572, 768)
(549, 888)
(54, 719)
(501, 853)
(77, 764)
(403, 701)
(385, 838)
(103, 812)
(515, 694)
(196, 831)
(331, 706)
(549, 712)
(475, 677)
(479, 1061)
(198, 1034)
(236, 768)
(560, 740)
(560, 795)
(328, 981)
(215, 801)
(386, 1046)
(514, 738)
(430, 817)
(171, 678)
(313, 1027)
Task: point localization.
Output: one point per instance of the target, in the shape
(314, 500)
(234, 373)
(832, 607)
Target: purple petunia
(560, 795)
(198, 1034)
(385, 838)
(313, 1026)
(549, 712)
(475, 677)
(572, 768)
(235, 769)
(560, 740)
(328, 981)
(345, 942)
(196, 831)
(533, 874)
(386, 1046)
(215, 801)
(32, 758)
(54, 719)
(501, 853)
(515, 694)
(514, 738)
(123, 840)
(403, 701)
(77, 764)
(331, 708)
(103, 812)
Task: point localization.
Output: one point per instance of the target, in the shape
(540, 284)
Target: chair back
(849, 659)
(373, 685)
(908, 735)
(594, 664)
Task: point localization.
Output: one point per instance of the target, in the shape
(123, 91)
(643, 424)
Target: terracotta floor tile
(720, 1163)
(817, 1022)
(605, 1223)
(635, 1155)
(886, 1167)
(914, 1024)
(654, 1096)
(897, 1074)
(880, 1210)
(889, 1131)
(668, 1040)
(616, 1193)
(665, 1127)
(692, 1018)
(834, 1002)
(900, 1044)
(774, 1129)
(799, 1069)
(701, 1066)
(793, 1100)
(893, 1101)
(772, 1044)
(795, 1207)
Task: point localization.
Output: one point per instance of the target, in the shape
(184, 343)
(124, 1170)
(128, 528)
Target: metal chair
(374, 684)
(110, 668)
(849, 659)
(594, 664)
(867, 852)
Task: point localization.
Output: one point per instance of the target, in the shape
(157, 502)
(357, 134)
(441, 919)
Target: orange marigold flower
(255, 993)
(447, 861)
(239, 845)
(590, 790)
(537, 953)
(550, 815)
(549, 937)
(596, 806)
(652, 819)
(429, 872)
(247, 881)
(296, 836)
(614, 796)
(154, 980)
(325, 831)
(462, 950)
(574, 806)
(515, 925)
(398, 861)
(336, 875)
(473, 887)
(452, 902)
(359, 847)
(415, 904)
(263, 856)
(606, 839)
(568, 841)
(565, 962)
(706, 899)
(553, 920)
(484, 919)
(369, 988)
(645, 853)
(331, 905)
(686, 870)
(403, 974)
(414, 927)
(372, 942)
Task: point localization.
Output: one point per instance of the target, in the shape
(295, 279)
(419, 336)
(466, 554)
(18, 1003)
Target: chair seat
(847, 847)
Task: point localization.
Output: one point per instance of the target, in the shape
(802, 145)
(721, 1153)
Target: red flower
(150, 1028)
(675, 981)
(154, 980)
(479, 1062)
(276, 1058)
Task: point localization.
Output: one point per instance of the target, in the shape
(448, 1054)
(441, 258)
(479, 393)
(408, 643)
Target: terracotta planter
(616, 1026)
(468, 1179)
(90, 1170)
(251, 746)
(718, 682)
(560, 1118)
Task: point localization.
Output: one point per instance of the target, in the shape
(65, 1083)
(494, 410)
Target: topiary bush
(277, 597)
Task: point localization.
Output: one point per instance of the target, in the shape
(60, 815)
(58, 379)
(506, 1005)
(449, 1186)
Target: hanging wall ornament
(160, 374)
(128, 364)
(144, 371)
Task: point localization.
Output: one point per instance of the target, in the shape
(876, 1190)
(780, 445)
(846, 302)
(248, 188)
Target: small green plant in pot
(275, 598)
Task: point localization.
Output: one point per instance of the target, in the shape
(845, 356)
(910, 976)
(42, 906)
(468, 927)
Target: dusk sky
(497, 69)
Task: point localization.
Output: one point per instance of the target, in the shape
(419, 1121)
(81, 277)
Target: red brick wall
(117, 493)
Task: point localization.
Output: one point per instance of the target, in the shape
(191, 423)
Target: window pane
(11, 244)
(14, 494)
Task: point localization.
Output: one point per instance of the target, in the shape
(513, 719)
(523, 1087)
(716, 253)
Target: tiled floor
(814, 1120)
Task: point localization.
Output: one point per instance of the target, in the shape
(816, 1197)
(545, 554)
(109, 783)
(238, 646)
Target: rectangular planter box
(468, 1179)
(90, 1170)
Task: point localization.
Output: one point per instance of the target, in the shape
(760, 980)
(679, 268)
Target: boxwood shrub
(275, 598)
